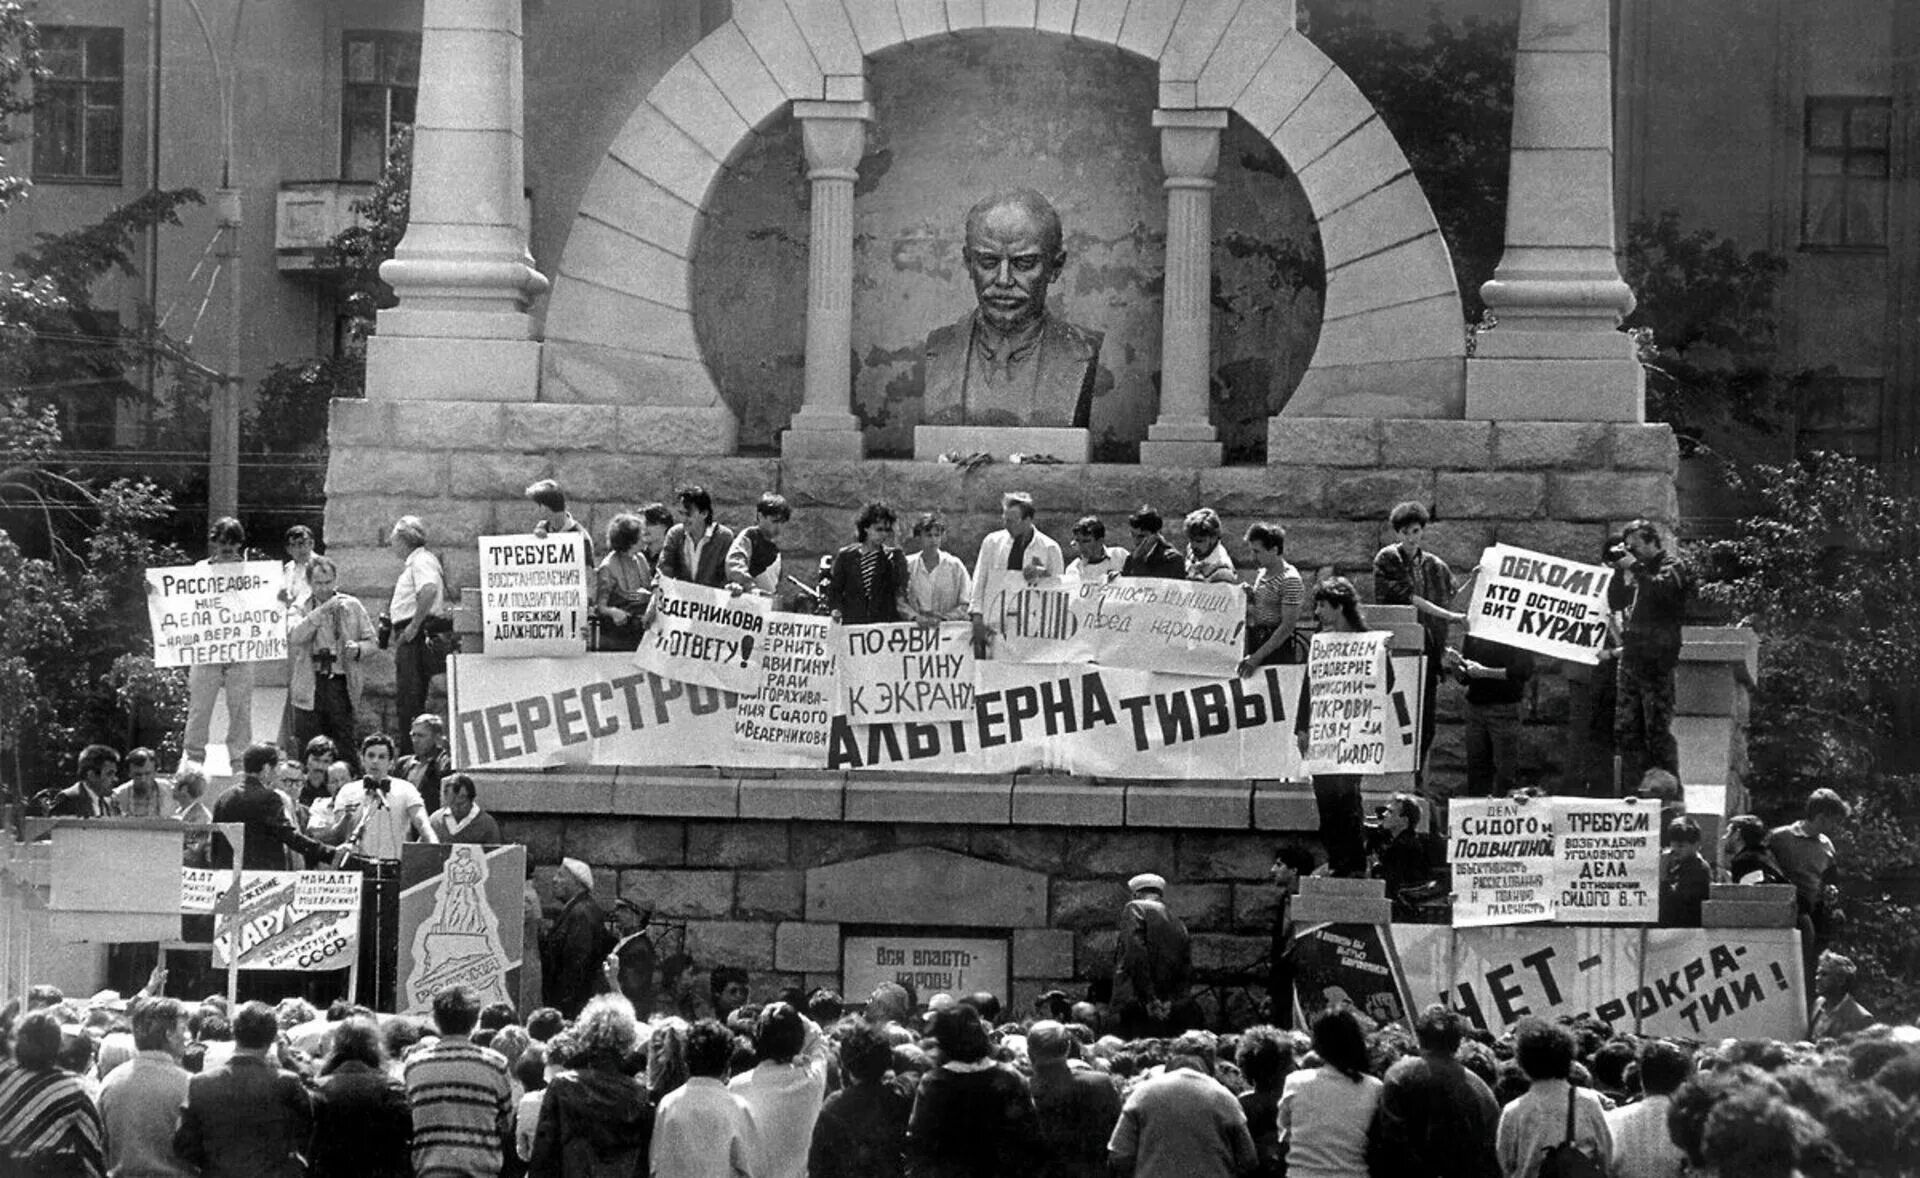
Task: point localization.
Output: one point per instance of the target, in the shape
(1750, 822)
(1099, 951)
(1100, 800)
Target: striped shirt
(47, 1114)
(460, 1099)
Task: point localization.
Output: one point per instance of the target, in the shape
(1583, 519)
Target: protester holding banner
(1496, 677)
(1336, 607)
(695, 549)
(868, 584)
(622, 586)
(1649, 653)
(939, 588)
(557, 520)
(419, 603)
(1152, 556)
(327, 650)
(226, 543)
(1093, 558)
(753, 559)
(1404, 573)
(1274, 603)
(1207, 558)
(1018, 548)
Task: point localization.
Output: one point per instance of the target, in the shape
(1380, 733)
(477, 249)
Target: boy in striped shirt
(462, 1103)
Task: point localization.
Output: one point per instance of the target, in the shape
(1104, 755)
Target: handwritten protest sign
(1151, 624)
(1503, 861)
(906, 673)
(1354, 725)
(202, 887)
(298, 920)
(1606, 861)
(217, 613)
(931, 965)
(794, 707)
(534, 595)
(460, 921)
(704, 636)
(1033, 623)
(1545, 604)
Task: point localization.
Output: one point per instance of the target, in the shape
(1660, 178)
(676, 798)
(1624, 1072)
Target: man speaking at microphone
(372, 819)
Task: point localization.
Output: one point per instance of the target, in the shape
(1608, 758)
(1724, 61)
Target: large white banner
(1147, 623)
(1356, 724)
(217, 613)
(1075, 718)
(1541, 603)
(903, 672)
(534, 594)
(704, 636)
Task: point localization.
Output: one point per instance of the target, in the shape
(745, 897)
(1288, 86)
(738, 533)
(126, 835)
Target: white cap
(1147, 881)
(579, 871)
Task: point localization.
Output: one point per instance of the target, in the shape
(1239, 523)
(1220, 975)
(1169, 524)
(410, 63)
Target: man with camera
(1399, 853)
(1650, 640)
(329, 645)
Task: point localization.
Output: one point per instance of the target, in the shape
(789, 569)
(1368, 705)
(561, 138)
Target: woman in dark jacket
(362, 1126)
(595, 1120)
(868, 583)
(972, 1117)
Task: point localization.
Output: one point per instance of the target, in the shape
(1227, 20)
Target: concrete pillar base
(1184, 453)
(425, 368)
(824, 436)
(1555, 390)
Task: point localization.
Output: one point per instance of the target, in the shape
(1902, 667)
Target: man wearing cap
(1150, 979)
(1836, 1012)
(576, 942)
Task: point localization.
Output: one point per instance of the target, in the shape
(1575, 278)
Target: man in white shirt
(702, 1130)
(1094, 559)
(140, 1100)
(373, 816)
(785, 1090)
(1020, 548)
(1642, 1146)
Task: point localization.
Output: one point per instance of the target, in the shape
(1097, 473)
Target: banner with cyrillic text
(217, 613)
(534, 595)
(1606, 860)
(1147, 623)
(931, 965)
(299, 920)
(705, 637)
(1545, 604)
(903, 672)
(1691, 983)
(1355, 723)
(790, 715)
(1110, 721)
(1502, 855)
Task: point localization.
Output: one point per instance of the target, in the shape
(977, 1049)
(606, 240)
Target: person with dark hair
(595, 1118)
(727, 985)
(696, 548)
(1290, 865)
(1094, 559)
(1538, 1120)
(637, 969)
(825, 1006)
(141, 796)
(1077, 1106)
(868, 583)
(753, 561)
(140, 1100)
(1405, 573)
(1343, 822)
(984, 1002)
(1154, 961)
(48, 1123)
(269, 835)
(226, 547)
(972, 1117)
(1275, 603)
(248, 1118)
(1804, 850)
(861, 1131)
(330, 638)
(298, 542)
(316, 764)
(1207, 558)
(530, 1076)
(1749, 861)
(1435, 1119)
(1325, 1112)
(1658, 588)
(1836, 1012)
(419, 603)
(784, 1090)
(1402, 861)
(622, 586)
(656, 520)
(461, 1098)
(377, 815)
(1182, 1123)
(92, 795)
(939, 587)
(702, 1130)
(1265, 1059)
(1642, 1146)
(362, 1125)
(556, 519)
(544, 1022)
(1152, 556)
(462, 820)
(1685, 877)
(1756, 1134)
(1019, 549)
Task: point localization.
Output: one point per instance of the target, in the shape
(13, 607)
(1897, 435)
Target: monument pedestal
(426, 368)
(1188, 443)
(823, 435)
(1066, 444)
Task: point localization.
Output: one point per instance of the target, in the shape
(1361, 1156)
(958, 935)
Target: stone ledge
(1284, 805)
(1738, 645)
(1067, 801)
(1188, 805)
(558, 791)
(815, 796)
(887, 797)
(676, 793)
(1323, 441)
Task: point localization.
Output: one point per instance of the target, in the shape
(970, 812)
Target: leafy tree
(1828, 573)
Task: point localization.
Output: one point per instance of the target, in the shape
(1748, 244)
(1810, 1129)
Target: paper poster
(534, 594)
(1033, 623)
(793, 709)
(1606, 861)
(931, 965)
(1545, 604)
(1351, 964)
(705, 637)
(460, 921)
(1146, 623)
(293, 920)
(903, 672)
(1355, 724)
(1502, 853)
(217, 613)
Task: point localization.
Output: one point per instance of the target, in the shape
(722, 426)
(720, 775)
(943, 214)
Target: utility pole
(223, 459)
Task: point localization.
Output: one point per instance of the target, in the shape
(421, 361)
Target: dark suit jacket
(713, 558)
(364, 1128)
(269, 834)
(571, 953)
(246, 1119)
(71, 802)
(1161, 559)
(1155, 954)
(846, 592)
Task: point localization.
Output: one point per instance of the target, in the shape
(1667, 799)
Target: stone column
(462, 272)
(835, 135)
(1557, 354)
(1190, 154)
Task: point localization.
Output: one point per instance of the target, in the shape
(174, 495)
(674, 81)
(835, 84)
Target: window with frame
(1844, 199)
(77, 122)
(380, 86)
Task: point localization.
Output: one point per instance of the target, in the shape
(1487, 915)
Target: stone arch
(620, 319)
